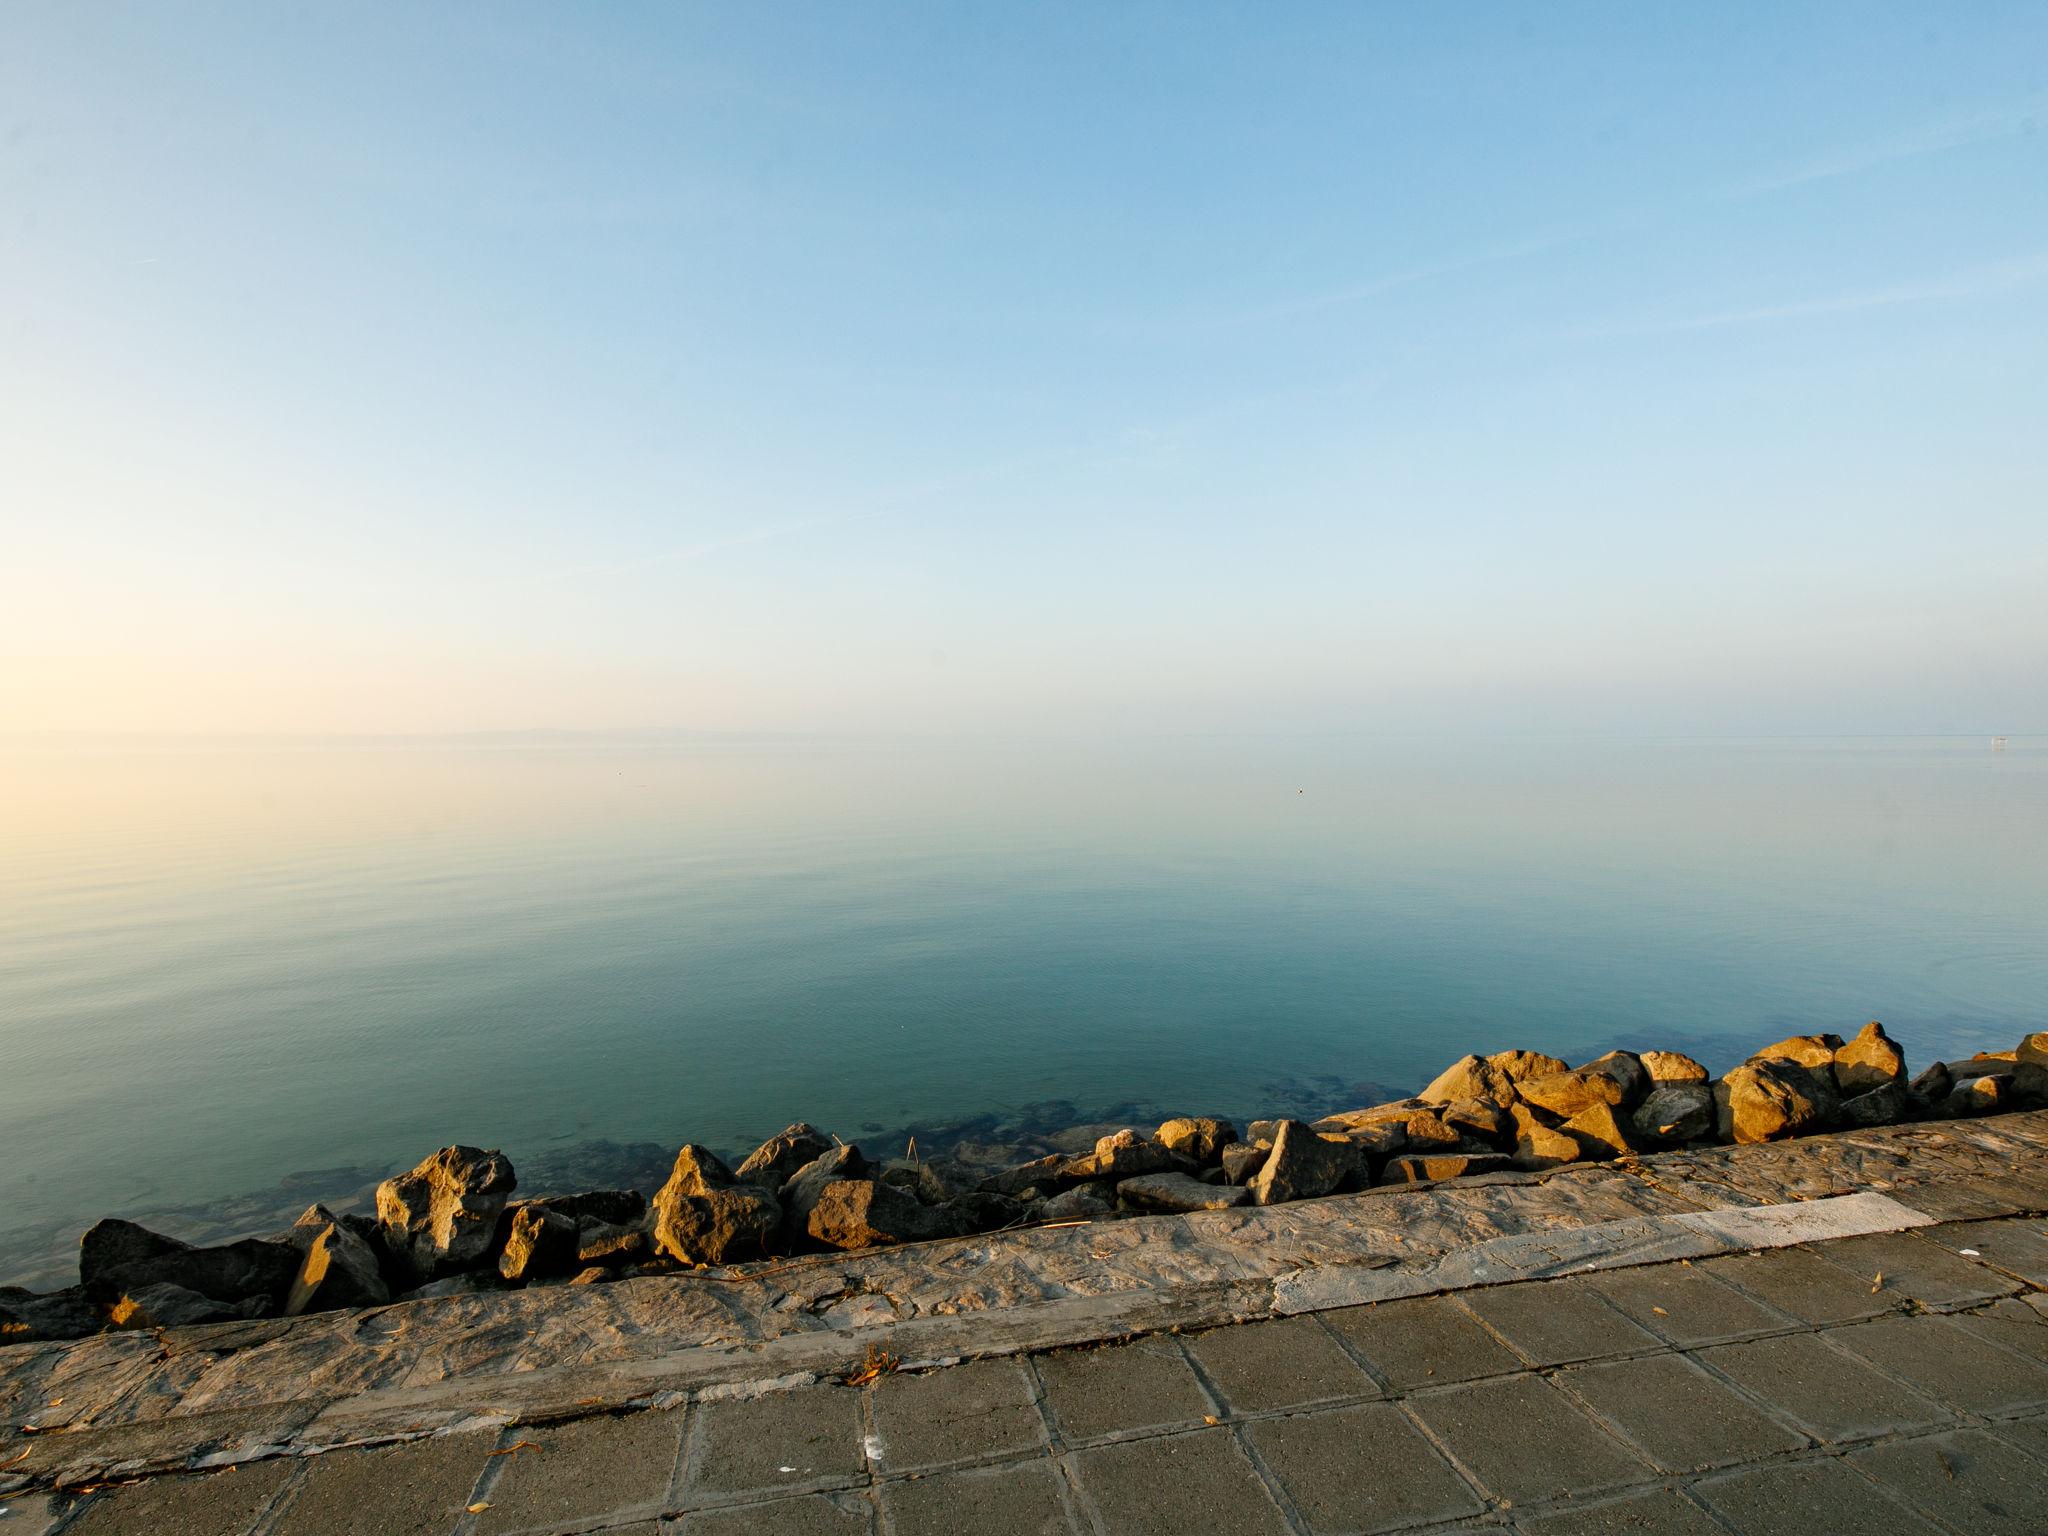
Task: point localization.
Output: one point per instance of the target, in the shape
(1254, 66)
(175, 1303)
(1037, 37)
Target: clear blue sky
(1192, 366)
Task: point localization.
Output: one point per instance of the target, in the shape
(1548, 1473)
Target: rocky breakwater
(451, 1225)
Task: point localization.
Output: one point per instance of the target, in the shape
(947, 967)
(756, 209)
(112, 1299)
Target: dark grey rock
(1084, 1202)
(337, 1266)
(613, 1207)
(443, 1215)
(164, 1305)
(980, 1210)
(600, 1242)
(1241, 1160)
(28, 1318)
(117, 1257)
(919, 1180)
(541, 1246)
(1627, 1069)
(1033, 1175)
(1886, 1104)
(473, 1283)
(1674, 1112)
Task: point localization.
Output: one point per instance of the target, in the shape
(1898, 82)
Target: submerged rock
(443, 1215)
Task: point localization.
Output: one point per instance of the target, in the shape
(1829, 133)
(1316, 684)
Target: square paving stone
(1360, 1469)
(1821, 1497)
(1556, 1322)
(2029, 1434)
(1804, 1285)
(787, 1442)
(1950, 1364)
(215, 1503)
(825, 1514)
(2019, 1245)
(2009, 1323)
(969, 1412)
(420, 1488)
(619, 1468)
(1130, 1386)
(1913, 1267)
(1833, 1394)
(1430, 1341)
(1681, 1416)
(1195, 1482)
(1972, 1481)
(1281, 1364)
(1021, 1499)
(1685, 1304)
(1526, 1440)
(1662, 1513)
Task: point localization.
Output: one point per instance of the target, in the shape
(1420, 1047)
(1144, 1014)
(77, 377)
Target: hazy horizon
(903, 369)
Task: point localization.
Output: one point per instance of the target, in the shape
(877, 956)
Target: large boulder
(1121, 1155)
(542, 1245)
(803, 1187)
(28, 1318)
(1469, 1077)
(705, 1215)
(1537, 1142)
(2033, 1049)
(1302, 1165)
(1871, 1060)
(337, 1266)
(1519, 1066)
(1598, 1132)
(115, 1257)
(1426, 1131)
(1478, 1120)
(776, 1160)
(1564, 1094)
(1671, 1067)
(1674, 1112)
(1807, 1050)
(1886, 1104)
(443, 1215)
(1764, 1101)
(1200, 1137)
(1167, 1192)
(1241, 1160)
(1627, 1069)
(858, 1213)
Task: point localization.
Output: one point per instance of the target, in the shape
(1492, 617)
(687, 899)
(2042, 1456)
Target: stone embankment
(451, 1226)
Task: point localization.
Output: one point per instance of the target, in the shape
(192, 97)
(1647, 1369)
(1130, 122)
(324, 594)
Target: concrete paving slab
(1364, 1468)
(2017, 1245)
(1662, 1513)
(1907, 1264)
(1683, 1419)
(1950, 1364)
(617, 1467)
(420, 1488)
(1828, 1392)
(1557, 1322)
(2011, 1324)
(1427, 1342)
(1148, 1384)
(1685, 1304)
(784, 1443)
(1968, 1479)
(1024, 1498)
(972, 1412)
(2029, 1434)
(1199, 1482)
(817, 1515)
(1286, 1363)
(206, 1504)
(1525, 1440)
(1803, 1285)
(1819, 1497)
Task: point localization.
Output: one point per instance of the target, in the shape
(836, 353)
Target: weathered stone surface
(444, 1214)
(1469, 1077)
(1869, 1061)
(921, 1181)
(1564, 1094)
(1672, 1067)
(1478, 1119)
(1883, 1105)
(777, 1160)
(1627, 1069)
(1538, 1143)
(1454, 1165)
(1807, 1050)
(1201, 1137)
(1092, 1201)
(118, 1256)
(167, 1306)
(600, 1242)
(1597, 1131)
(1301, 1166)
(26, 1318)
(1676, 1110)
(858, 1213)
(337, 1268)
(1242, 1160)
(1523, 1065)
(718, 1226)
(541, 1245)
(1177, 1192)
(1121, 1156)
(1760, 1102)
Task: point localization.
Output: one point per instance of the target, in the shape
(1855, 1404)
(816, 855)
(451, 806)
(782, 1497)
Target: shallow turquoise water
(222, 963)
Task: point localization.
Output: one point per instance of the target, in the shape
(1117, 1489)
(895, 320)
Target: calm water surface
(222, 964)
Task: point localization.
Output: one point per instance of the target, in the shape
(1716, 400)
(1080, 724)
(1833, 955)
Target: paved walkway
(1892, 1384)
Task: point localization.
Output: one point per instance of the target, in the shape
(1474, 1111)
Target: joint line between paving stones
(1236, 1429)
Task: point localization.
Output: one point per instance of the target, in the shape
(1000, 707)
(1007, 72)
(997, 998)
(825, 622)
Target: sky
(1065, 367)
